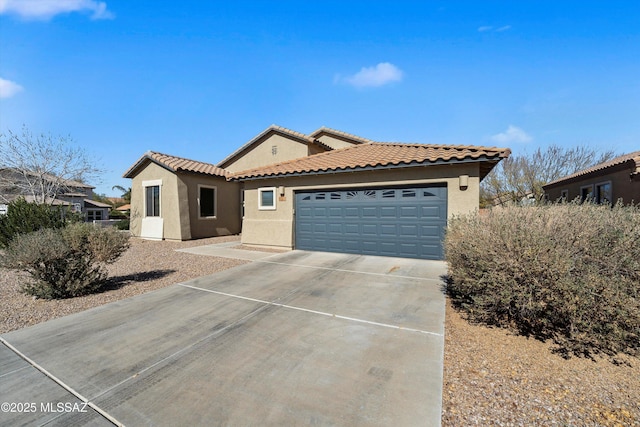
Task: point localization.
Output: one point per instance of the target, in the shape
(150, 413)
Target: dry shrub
(66, 262)
(565, 272)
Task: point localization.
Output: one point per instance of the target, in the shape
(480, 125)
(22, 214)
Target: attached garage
(405, 222)
(385, 199)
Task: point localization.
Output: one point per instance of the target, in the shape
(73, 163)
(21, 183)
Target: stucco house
(608, 182)
(328, 190)
(74, 195)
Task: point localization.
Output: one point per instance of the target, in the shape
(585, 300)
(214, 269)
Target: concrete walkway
(300, 338)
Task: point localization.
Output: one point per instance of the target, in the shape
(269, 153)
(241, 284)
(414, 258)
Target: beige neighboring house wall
(275, 228)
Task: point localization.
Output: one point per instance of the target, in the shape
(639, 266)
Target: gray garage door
(402, 222)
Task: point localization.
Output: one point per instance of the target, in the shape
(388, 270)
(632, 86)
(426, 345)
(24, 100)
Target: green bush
(122, 224)
(66, 262)
(23, 217)
(568, 272)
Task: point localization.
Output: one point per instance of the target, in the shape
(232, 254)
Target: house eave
(367, 168)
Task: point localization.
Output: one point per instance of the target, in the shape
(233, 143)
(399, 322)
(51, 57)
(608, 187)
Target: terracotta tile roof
(339, 133)
(632, 158)
(271, 129)
(373, 155)
(176, 164)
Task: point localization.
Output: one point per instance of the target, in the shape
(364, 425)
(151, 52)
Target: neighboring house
(74, 195)
(608, 182)
(328, 191)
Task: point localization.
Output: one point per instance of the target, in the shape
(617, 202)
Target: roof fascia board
(366, 168)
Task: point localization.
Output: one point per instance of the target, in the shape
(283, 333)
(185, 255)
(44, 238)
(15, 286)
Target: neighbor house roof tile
(375, 155)
(632, 158)
(176, 164)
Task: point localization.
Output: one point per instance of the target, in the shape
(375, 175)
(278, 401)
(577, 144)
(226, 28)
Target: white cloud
(8, 88)
(47, 9)
(379, 75)
(513, 134)
(490, 28)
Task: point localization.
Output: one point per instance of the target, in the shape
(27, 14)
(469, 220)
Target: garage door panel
(369, 212)
(431, 231)
(408, 230)
(320, 227)
(388, 212)
(369, 230)
(352, 229)
(351, 212)
(434, 212)
(334, 228)
(407, 222)
(388, 230)
(409, 212)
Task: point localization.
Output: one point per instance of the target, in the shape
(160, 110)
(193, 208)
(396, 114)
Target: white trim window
(564, 195)
(207, 202)
(604, 193)
(152, 197)
(267, 199)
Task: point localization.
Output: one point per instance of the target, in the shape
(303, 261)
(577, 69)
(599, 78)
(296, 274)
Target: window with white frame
(603, 194)
(564, 195)
(151, 198)
(207, 201)
(267, 198)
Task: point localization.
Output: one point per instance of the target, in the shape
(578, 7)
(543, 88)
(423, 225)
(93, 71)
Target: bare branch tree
(521, 176)
(41, 166)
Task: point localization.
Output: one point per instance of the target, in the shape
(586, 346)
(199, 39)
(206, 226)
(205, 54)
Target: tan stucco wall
(170, 202)
(227, 220)
(334, 142)
(622, 185)
(179, 206)
(262, 155)
(276, 227)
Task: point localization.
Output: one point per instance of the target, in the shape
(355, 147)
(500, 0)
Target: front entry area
(405, 222)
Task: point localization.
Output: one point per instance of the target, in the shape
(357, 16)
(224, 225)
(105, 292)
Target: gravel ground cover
(491, 377)
(495, 378)
(147, 265)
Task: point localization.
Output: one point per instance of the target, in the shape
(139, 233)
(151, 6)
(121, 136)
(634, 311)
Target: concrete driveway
(300, 338)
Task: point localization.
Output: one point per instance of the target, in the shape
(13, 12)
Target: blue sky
(200, 78)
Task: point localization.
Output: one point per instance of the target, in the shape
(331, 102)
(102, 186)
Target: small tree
(40, 166)
(521, 176)
(126, 192)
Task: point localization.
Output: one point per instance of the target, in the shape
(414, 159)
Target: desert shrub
(122, 224)
(565, 272)
(66, 262)
(23, 217)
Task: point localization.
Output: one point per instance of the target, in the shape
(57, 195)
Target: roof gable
(323, 132)
(174, 164)
(378, 155)
(633, 159)
(263, 136)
